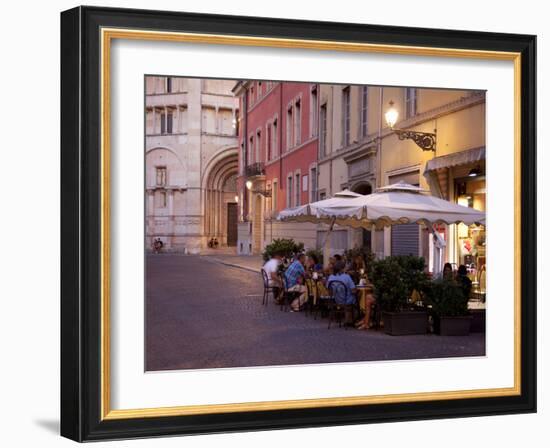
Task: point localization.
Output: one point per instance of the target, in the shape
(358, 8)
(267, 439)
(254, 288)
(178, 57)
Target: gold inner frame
(107, 35)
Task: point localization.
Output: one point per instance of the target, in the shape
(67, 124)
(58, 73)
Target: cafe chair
(267, 288)
(287, 296)
(337, 311)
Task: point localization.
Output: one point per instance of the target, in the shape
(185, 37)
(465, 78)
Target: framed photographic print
(273, 223)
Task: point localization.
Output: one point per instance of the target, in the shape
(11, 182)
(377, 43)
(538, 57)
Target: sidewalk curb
(234, 265)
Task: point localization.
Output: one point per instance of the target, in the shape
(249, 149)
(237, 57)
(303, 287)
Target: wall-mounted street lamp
(266, 193)
(424, 140)
(237, 198)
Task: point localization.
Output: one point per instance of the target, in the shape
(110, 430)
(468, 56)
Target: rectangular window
(251, 150)
(313, 113)
(410, 102)
(297, 123)
(258, 146)
(289, 124)
(364, 111)
(275, 135)
(168, 85)
(162, 123)
(169, 122)
(289, 192)
(161, 199)
(161, 176)
(274, 193)
(298, 190)
(313, 189)
(269, 142)
(323, 130)
(346, 116)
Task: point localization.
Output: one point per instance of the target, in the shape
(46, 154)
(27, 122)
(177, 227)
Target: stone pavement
(251, 263)
(202, 313)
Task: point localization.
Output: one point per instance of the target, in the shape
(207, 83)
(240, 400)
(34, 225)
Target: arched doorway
(362, 188)
(219, 204)
(363, 237)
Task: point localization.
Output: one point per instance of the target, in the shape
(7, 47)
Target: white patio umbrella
(395, 204)
(316, 208)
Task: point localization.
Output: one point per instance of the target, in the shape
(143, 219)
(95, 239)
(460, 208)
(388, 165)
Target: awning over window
(455, 159)
(437, 169)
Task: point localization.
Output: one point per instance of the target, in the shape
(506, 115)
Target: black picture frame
(81, 224)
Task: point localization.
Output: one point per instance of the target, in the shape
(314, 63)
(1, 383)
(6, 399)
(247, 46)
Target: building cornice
(153, 188)
(292, 151)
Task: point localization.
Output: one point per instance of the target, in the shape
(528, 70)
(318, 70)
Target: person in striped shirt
(295, 276)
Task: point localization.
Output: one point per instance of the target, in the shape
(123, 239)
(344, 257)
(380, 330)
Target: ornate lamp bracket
(424, 140)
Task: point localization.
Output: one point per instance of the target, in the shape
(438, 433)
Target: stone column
(154, 121)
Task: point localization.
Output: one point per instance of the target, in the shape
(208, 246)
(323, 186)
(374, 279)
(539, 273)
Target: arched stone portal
(362, 188)
(220, 207)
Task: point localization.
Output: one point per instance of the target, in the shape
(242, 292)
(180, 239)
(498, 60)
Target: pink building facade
(278, 148)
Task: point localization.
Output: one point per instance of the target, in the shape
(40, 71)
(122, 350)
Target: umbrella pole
(326, 250)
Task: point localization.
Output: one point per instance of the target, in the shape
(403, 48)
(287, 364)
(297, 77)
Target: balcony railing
(255, 169)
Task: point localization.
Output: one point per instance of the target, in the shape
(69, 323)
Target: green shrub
(395, 278)
(447, 298)
(318, 253)
(287, 247)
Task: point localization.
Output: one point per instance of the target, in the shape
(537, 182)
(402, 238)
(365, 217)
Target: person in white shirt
(271, 268)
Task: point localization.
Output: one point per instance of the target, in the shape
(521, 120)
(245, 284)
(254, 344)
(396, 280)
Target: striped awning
(437, 169)
(456, 159)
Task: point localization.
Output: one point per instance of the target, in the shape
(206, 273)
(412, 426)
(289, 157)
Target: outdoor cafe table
(318, 289)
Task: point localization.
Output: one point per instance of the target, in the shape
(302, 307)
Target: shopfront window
(471, 192)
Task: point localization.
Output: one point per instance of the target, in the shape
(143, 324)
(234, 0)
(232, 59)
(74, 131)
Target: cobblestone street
(202, 313)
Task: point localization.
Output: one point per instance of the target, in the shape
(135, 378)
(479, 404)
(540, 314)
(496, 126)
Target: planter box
(453, 326)
(478, 321)
(405, 322)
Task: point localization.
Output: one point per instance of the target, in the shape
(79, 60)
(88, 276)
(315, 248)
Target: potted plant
(395, 278)
(449, 306)
(287, 247)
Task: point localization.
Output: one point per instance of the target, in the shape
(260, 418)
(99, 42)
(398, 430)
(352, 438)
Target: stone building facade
(278, 141)
(191, 162)
(358, 151)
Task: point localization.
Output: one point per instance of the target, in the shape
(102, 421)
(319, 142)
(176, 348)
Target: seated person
(364, 323)
(358, 264)
(447, 273)
(271, 268)
(294, 276)
(342, 297)
(313, 263)
(464, 281)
